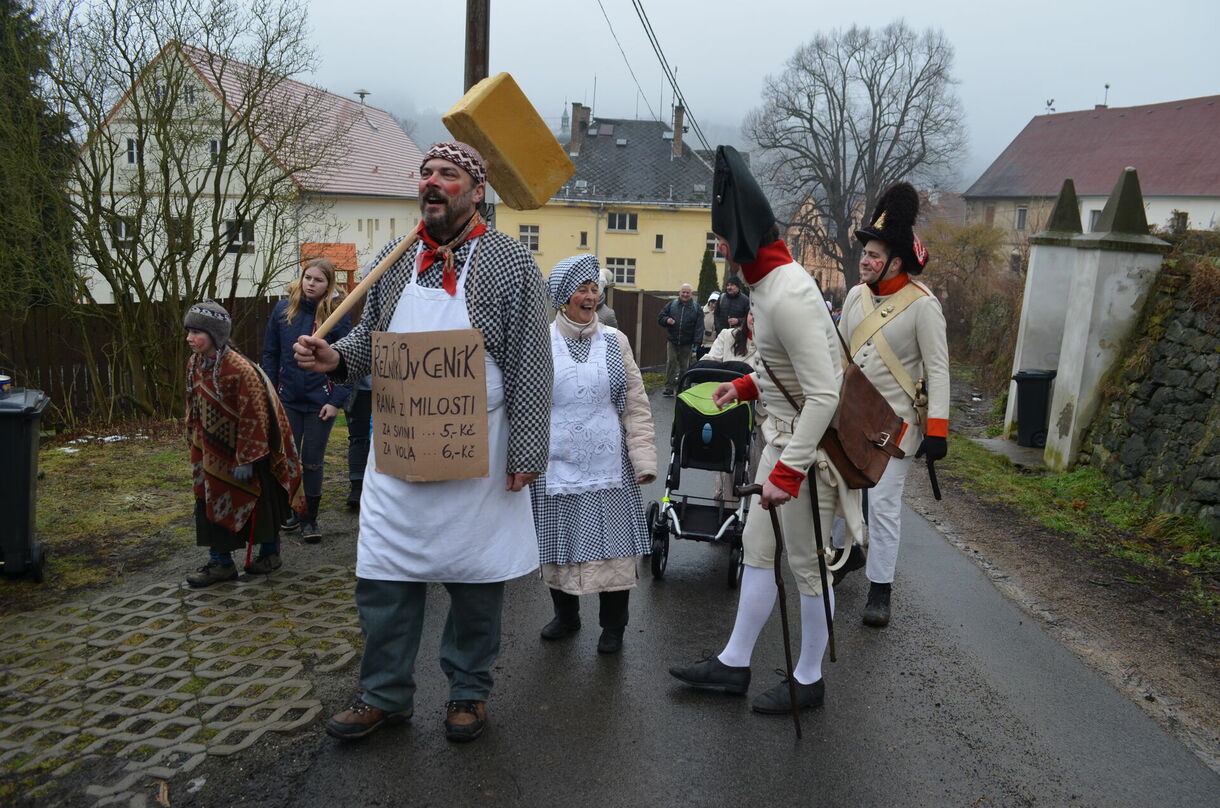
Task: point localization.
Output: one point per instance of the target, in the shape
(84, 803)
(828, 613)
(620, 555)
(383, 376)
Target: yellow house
(640, 200)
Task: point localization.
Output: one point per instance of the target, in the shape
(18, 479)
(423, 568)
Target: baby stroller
(704, 437)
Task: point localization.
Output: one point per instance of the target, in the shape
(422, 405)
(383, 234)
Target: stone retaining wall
(1157, 431)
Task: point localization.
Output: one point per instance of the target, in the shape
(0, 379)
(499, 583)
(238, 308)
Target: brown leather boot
(465, 720)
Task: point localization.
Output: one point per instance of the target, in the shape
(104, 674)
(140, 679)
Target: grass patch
(1081, 505)
(653, 380)
(108, 507)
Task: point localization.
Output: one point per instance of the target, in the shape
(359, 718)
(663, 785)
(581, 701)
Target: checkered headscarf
(461, 154)
(569, 274)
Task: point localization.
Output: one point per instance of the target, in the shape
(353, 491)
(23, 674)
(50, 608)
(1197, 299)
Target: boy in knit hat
(244, 466)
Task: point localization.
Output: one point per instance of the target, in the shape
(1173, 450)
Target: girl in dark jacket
(311, 400)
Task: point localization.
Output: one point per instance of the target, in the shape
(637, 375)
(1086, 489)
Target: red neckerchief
(886, 288)
(434, 251)
(769, 257)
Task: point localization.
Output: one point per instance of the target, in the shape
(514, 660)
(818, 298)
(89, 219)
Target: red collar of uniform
(769, 257)
(886, 288)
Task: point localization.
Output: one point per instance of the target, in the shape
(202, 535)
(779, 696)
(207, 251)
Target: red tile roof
(380, 159)
(1175, 146)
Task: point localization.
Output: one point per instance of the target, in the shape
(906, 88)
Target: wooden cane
(356, 295)
(821, 549)
(745, 491)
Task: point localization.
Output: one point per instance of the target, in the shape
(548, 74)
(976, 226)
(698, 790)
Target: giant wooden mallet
(525, 163)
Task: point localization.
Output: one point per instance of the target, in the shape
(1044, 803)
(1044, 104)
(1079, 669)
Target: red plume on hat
(893, 222)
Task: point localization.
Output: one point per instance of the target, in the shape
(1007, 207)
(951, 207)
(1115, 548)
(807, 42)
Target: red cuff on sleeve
(746, 391)
(787, 479)
(938, 427)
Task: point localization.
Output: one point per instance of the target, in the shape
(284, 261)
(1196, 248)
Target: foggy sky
(1010, 57)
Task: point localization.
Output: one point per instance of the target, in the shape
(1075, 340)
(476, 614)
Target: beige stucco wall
(560, 224)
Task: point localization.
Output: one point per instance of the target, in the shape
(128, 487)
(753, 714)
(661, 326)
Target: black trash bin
(1033, 405)
(20, 416)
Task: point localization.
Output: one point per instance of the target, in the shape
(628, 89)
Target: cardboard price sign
(430, 405)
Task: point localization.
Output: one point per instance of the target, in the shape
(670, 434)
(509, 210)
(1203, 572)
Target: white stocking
(814, 637)
(754, 606)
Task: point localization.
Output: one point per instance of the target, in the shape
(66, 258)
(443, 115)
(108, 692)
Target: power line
(626, 61)
(673, 80)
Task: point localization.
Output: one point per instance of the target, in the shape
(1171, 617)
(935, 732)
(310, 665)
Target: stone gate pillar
(1052, 260)
(1114, 270)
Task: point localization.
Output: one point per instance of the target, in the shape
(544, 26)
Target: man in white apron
(470, 535)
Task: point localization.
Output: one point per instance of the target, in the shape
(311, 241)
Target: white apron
(454, 531)
(586, 441)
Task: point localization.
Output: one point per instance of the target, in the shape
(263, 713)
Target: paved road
(962, 701)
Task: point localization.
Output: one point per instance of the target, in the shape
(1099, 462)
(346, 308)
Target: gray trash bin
(20, 416)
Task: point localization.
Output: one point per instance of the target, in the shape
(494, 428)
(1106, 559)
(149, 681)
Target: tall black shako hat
(894, 223)
(741, 214)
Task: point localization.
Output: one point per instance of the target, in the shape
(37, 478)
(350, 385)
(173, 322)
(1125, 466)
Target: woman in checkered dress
(587, 506)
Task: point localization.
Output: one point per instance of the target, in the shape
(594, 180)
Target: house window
(1022, 214)
(714, 246)
(393, 229)
(214, 150)
(660, 242)
(179, 233)
(584, 239)
(623, 269)
(239, 236)
(622, 222)
(135, 151)
(1094, 219)
(188, 95)
(528, 235)
(989, 215)
(124, 232)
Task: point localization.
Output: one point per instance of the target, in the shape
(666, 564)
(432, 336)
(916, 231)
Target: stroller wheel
(737, 565)
(660, 555)
(659, 531)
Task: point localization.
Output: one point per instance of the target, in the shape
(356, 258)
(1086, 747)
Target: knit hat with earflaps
(893, 222)
(211, 318)
(741, 214)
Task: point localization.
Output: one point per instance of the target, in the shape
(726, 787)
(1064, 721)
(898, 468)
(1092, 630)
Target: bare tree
(853, 112)
(195, 149)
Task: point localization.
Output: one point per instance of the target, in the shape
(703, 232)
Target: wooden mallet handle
(362, 288)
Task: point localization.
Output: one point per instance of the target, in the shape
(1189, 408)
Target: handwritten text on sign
(430, 405)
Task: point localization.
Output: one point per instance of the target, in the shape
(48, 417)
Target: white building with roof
(277, 172)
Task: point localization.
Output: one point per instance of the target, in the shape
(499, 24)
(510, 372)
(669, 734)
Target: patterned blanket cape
(234, 417)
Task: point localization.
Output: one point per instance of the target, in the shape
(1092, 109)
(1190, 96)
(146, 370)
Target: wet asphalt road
(962, 701)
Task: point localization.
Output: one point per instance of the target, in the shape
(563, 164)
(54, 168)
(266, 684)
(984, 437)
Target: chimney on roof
(679, 114)
(580, 126)
(1100, 106)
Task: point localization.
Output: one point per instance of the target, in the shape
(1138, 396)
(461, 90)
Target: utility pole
(478, 19)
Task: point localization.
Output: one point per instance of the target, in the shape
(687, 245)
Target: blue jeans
(310, 433)
(392, 618)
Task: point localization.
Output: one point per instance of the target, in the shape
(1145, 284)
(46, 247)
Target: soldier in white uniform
(796, 340)
(896, 333)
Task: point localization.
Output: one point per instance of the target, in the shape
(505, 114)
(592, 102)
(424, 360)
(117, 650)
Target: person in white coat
(799, 351)
(895, 330)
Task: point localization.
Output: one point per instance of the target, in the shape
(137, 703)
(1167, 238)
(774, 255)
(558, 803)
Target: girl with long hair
(311, 400)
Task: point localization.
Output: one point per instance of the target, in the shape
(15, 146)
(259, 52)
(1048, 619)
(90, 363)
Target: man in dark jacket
(683, 321)
(733, 307)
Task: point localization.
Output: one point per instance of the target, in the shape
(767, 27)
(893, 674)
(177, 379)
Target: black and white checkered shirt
(506, 300)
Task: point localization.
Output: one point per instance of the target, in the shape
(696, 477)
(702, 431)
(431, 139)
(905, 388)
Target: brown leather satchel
(864, 431)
